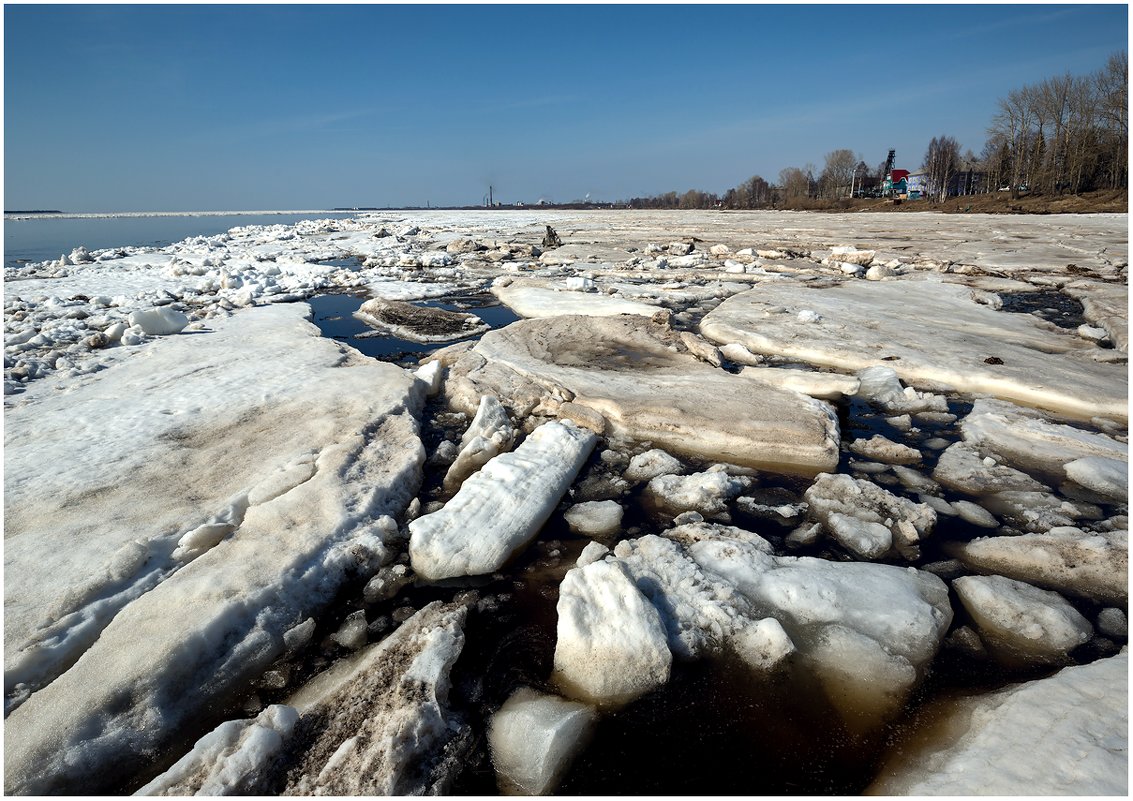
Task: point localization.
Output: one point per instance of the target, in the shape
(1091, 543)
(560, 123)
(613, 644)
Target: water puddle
(334, 315)
(1054, 307)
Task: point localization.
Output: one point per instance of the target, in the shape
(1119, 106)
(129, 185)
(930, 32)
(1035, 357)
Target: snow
(1065, 559)
(498, 510)
(947, 341)
(625, 369)
(104, 478)
(1021, 622)
(533, 739)
(1063, 735)
(611, 645)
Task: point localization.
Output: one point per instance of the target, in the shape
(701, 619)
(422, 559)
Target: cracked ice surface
(951, 341)
(269, 454)
(629, 371)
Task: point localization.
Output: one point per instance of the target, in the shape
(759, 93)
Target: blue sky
(175, 108)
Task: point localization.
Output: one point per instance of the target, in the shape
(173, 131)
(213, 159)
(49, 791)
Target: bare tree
(941, 162)
(838, 173)
(794, 183)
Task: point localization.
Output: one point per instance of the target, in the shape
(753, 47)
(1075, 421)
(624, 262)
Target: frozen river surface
(757, 503)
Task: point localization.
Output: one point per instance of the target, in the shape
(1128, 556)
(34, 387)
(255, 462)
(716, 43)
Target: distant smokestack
(490, 195)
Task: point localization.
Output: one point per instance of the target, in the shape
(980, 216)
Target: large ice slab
(1022, 623)
(1025, 439)
(1064, 735)
(928, 332)
(500, 508)
(1066, 559)
(169, 518)
(537, 299)
(638, 377)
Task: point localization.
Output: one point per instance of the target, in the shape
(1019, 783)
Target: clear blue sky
(178, 108)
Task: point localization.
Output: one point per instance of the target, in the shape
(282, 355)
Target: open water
(44, 238)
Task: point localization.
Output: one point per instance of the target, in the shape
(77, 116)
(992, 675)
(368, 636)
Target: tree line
(1064, 135)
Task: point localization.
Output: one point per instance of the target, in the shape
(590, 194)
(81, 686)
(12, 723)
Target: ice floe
(1064, 735)
(104, 482)
(611, 646)
(624, 371)
(1085, 564)
(951, 341)
(1021, 622)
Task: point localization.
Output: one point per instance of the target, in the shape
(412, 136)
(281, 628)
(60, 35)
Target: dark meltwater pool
(334, 315)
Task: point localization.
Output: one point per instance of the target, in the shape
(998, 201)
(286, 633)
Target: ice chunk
(866, 518)
(885, 450)
(1066, 735)
(1065, 559)
(379, 729)
(231, 759)
(707, 493)
(594, 518)
(702, 614)
(975, 514)
(651, 464)
(962, 468)
(1020, 622)
(593, 552)
(432, 374)
(500, 508)
(490, 434)
(1112, 622)
(1025, 439)
(827, 386)
(1105, 476)
(611, 645)
(160, 321)
(534, 737)
(866, 631)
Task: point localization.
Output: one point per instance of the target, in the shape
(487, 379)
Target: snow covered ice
(820, 458)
